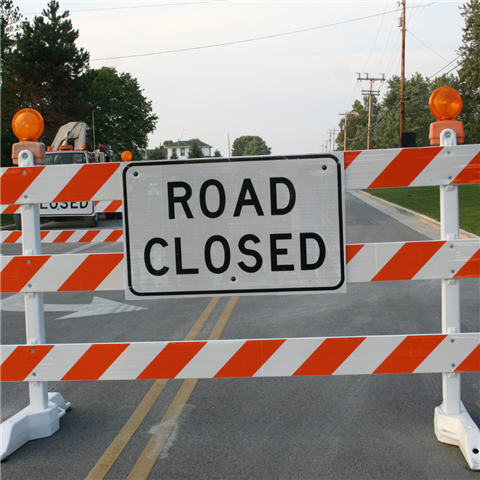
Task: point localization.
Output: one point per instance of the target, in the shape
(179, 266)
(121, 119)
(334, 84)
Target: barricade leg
(41, 418)
(453, 424)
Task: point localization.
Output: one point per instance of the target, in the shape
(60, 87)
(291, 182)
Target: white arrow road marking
(99, 306)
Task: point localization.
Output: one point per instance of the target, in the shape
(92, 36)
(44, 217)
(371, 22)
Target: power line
(255, 39)
(134, 6)
(425, 45)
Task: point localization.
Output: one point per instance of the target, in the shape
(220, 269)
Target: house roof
(188, 143)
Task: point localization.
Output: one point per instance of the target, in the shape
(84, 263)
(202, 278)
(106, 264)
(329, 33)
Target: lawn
(7, 219)
(426, 200)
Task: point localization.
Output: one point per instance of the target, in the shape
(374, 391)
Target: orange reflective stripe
(114, 206)
(171, 360)
(13, 237)
(352, 250)
(94, 362)
(329, 356)
(11, 209)
(349, 157)
(87, 182)
(14, 182)
(89, 236)
(20, 271)
(410, 354)
(249, 358)
(63, 237)
(405, 167)
(407, 262)
(471, 363)
(22, 361)
(92, 272)
(114, 236)
(471, 268)
(471, 173)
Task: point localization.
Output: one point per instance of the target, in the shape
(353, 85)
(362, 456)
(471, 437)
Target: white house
(181, 148)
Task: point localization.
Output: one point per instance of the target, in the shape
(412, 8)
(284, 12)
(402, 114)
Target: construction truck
(72, 145)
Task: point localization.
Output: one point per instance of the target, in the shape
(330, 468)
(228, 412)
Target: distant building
(182, 147)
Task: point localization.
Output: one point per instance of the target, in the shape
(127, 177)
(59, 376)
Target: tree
(250, 145)
(9, 18)
(195, 150)
(9, 25)
(357, 125)
(46, 65)
(386, 114)
(417, 112)
(158, 153)
(469, 71)
(46, 71)
(217, 153)
(123, 117)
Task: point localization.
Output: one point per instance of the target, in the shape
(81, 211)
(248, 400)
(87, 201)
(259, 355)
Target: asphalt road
(345, 427)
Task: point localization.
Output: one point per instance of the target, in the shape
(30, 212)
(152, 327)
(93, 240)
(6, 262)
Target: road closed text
(254, 250)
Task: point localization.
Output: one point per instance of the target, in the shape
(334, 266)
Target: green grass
(426, 200)
(6, 219)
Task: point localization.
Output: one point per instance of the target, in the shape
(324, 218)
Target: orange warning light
(27, 125)
(445, 103)
(127, 156)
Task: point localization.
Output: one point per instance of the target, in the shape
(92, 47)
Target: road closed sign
(239, 226)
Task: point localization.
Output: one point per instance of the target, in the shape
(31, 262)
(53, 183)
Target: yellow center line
(154, 447)
(111, 454)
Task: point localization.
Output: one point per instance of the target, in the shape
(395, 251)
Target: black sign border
(150, 163)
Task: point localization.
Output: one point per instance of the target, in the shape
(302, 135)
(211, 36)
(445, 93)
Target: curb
(418, 216)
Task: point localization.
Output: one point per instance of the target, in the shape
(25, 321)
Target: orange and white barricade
(450, 352)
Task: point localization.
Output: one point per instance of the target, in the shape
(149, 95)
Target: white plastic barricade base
(459, 430)
(29, 424)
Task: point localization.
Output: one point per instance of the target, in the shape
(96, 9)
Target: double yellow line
(152, 451)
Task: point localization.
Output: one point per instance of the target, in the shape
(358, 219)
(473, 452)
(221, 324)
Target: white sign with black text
(67, 208)
(244, 225)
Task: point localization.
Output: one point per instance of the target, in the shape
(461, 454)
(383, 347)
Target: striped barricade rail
(283, 357)
(426, 260)
(363, 170)
(67, 236)
(109, 207)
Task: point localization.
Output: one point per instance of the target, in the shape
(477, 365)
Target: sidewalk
(421, 223)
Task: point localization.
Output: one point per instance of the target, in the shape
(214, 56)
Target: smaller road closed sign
(244, 225)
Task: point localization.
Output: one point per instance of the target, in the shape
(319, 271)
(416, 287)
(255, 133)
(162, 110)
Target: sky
(282, 70)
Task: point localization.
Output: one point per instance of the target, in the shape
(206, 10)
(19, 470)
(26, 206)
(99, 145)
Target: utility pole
(402, 25)
(371, 93)
(345, 130)
(332, 139)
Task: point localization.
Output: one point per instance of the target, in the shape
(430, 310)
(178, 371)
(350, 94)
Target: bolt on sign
(244, 225)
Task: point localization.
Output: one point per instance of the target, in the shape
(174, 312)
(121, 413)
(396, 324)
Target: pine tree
(9, 25)
(41, 72)
(195, 151)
